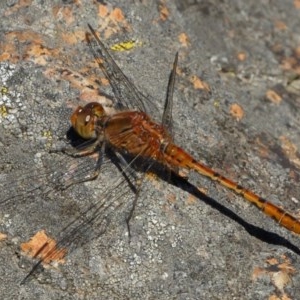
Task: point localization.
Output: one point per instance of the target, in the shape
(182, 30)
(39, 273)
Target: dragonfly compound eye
(84, 119)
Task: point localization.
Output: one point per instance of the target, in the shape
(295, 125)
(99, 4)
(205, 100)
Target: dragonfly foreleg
(82, 151)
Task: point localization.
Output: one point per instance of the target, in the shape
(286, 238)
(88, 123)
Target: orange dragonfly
(136, 134)
(133, 135)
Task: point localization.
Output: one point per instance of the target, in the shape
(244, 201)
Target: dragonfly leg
(92, 175)
(132, 179)
(85, 149)
(82, 151)
(130, 215)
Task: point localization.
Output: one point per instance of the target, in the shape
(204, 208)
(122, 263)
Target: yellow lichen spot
(125, 46)
(47, 134)
(216, 103)
(3, 111)
(4, 90)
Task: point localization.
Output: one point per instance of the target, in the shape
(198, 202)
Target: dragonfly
(135, 133)
(131, 135)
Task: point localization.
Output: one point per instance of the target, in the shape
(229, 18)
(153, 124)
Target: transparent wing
(109, 208)
(167, 120)
(128, 96)
(26, 192)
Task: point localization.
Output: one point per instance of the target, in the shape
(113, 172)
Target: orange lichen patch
(77, 80)
(280, 25)
(236, 111)
(184, 39)
(272, 96)
(10, 51)
(258, 272)
(63, 13)
(153, 179)
(171, 198)
(89, 95)
(43, 247)
(275, 297)
(111, 20)
(163, 11)
(290, 150)
(3, 236)
(17, 6)
(104, 81)
(203, 190)
(297, 4)
(6, 54)
(102, 11)
(33, 47)
(118, 15)
(272, 261)
(74, 37)
(288, 63)
(242, 56)
(191, 200)
(297, 52)
(280, 273)
(293, 175)
(52, 73)
(39, 54)
(24, 36)
(291, 63)
(151, 176)
(88, 85)
(183, 173)
(199, 84)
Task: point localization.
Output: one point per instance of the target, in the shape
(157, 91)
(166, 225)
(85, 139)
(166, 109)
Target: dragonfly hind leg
(132, 209)
(91, 176)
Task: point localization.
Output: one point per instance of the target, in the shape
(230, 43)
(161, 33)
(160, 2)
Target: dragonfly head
(84, 119)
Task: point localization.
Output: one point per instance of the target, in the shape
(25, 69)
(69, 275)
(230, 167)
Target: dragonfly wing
(128, 96)
(167, 120)
(90, 224)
